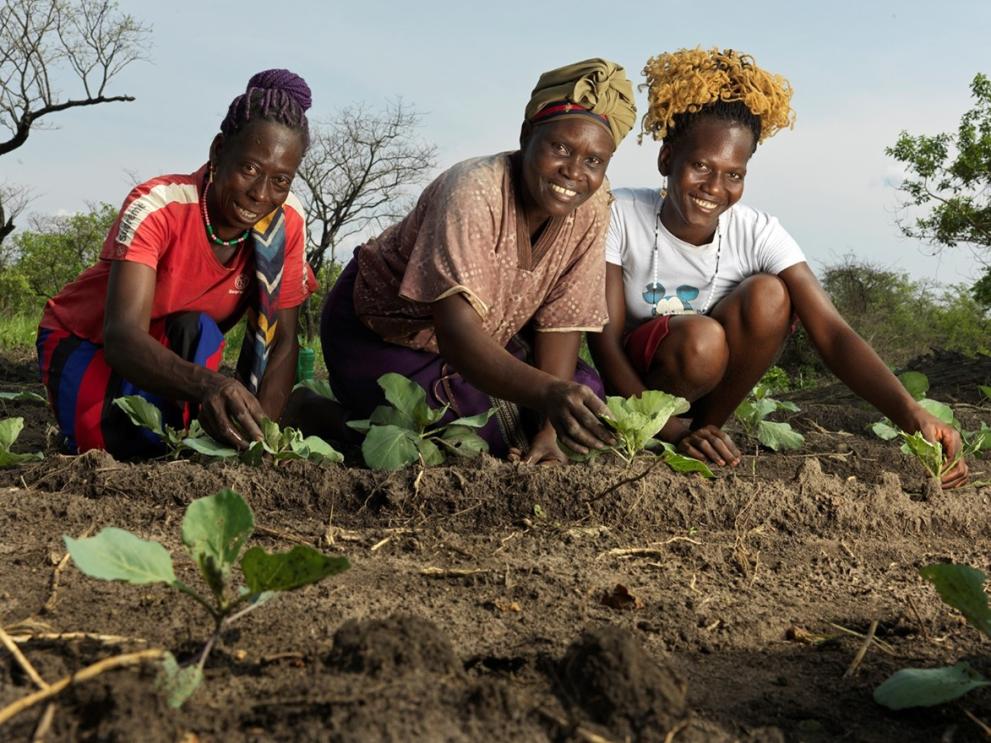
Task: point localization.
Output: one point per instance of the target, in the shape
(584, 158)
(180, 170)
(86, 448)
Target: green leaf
(142, 413)
(940, 409)
(23, 396)
(684, 464)
(928, 453)
(12, 459)
(787, 405)
(883, 429)
(404, 394)
(177, 682)
(285, 571)
(962, 587)
(473, 421)
(462, 441)
(977, 441)
(216, 528)
(361, 426)
(779, 436)
(429, 451)
(318, 386)
(985, 390)
(927, 687)
(271, 436)
(638, 419)
(386, 415)
(254, 455)
(389, 448)
(319, 450)
(209, 447)
(916, 383)
(10, 429)
(115, 554)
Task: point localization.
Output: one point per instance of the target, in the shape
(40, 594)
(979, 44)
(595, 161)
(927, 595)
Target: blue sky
(861, 72)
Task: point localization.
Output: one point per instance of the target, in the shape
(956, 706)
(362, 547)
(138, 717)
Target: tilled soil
(496, 601)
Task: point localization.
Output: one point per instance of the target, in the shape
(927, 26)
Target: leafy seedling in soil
(930, 455)
(962, 587)
(284, 444)
(752, 416)
(23, 396)
(281, 444)
(10, 429)
(214, 532)
(635, 421)
(406, 430)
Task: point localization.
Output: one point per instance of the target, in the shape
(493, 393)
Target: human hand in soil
(231, 414)
(935, 431)
(543, 449)
(573, 410)
(710, 444)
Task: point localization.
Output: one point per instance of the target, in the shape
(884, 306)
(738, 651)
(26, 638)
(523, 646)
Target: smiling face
(564, 162)
(253, 173)
(705, 171)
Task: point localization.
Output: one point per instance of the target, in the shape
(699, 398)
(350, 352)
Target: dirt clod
(394, 645)
(608, 676)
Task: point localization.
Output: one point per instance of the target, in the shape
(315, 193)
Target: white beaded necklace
(715, 273)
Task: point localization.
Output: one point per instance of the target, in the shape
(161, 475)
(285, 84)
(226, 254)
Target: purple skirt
(356, 357)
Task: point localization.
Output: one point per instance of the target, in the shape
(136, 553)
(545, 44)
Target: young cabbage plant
(406, 430)
(635, 421)
(284, 444)
(962, 587)
(931, 454)
(145, 415)
(10, 429)
(752, 416)
(214, 531)
(281, 443)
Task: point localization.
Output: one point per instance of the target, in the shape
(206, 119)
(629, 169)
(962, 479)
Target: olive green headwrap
(596, 84)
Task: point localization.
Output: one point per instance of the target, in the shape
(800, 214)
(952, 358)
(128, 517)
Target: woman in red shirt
(186, 258)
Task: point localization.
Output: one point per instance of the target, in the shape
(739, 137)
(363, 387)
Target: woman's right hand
(573, 410)
(231, 414)
(710, 444)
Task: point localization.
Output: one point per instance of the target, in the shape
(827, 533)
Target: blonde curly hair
(693, 81)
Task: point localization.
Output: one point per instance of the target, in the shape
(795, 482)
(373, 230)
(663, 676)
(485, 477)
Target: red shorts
(641, 343)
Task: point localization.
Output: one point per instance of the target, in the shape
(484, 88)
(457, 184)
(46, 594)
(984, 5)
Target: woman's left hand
(935, 431)
(544, 449)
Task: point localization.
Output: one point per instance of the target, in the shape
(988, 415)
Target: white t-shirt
(752, 242)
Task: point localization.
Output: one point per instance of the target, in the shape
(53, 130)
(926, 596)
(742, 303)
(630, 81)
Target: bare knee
(692, 359)
(765, 305)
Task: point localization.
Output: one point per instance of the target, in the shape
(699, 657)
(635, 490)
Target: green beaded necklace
(209, 227)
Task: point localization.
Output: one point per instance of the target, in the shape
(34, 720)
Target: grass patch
(18, 332)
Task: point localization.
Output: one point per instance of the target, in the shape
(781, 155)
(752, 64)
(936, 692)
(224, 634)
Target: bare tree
(45, 40)
(13, 201)
(357, 172)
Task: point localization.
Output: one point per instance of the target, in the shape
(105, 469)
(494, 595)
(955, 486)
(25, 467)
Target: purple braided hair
(272, 95)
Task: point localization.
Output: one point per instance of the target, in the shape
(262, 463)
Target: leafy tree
(46, 40)
(949, 177)
(56, 249)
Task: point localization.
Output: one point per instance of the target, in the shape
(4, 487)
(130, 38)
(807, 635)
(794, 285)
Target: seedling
(406, 430)
(752, 416)
(282, 444)
(636, 421)
(10, 429)
(214, 531)
(23, 396)
(928, 453)
(962, 587)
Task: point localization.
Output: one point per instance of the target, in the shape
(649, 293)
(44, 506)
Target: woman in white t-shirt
(702, 291)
